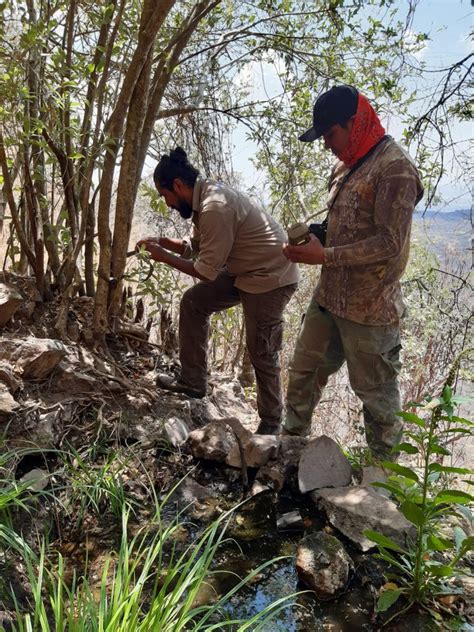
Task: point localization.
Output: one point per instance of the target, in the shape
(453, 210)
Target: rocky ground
(65, 408)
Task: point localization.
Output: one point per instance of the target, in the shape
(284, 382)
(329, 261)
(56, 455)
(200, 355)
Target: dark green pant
(325, 342)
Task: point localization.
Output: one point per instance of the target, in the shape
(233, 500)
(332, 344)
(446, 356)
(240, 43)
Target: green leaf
(387, 599)
(439, 544)
(436, 467)
(400, 469)
(406, 447)
(458, 420)
(382, 540)
(412, 419)
(438, 449)
(392, 488)
(453, 496)
(467, 545)
(459, 537)
(413, 513)
(440, 570)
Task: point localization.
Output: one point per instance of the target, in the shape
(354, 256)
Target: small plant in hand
(423, 570)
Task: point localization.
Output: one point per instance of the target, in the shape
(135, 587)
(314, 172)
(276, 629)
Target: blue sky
(448, 23)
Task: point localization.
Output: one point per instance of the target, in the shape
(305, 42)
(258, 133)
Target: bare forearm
(183, 265)
(173, 245)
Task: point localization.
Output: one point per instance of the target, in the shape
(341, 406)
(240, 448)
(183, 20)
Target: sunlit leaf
(387, 599)
(400, 469)
(439, 544)
(406, 447)
(412, 418)
(453, 496)
(413, 513)
(382, 540)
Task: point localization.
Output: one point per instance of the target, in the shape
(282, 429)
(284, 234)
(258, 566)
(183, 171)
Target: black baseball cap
(334, 106)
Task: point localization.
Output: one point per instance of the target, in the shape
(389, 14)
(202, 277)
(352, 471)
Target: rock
(176, 431)
(290, 520)
(217, 439)
(270, 477)
(7, 403)
(8, 377)
(71, 380)
(229, 398)
(190, 491)
(352, 510)
(258, 450)
(323, 464)
(373, 474)
(10, 301)
(37, 479)
(34, 358)
(323, 564)
(202, 411)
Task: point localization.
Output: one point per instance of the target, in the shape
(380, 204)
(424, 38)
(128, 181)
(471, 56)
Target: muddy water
(262, 542)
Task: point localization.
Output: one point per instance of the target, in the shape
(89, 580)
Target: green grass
(150, 582)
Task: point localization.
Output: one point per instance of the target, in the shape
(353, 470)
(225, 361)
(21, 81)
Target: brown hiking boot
(175, 385)
(264, 428)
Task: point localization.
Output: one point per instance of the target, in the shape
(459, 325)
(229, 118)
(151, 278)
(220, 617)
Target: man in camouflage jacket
(355, 312)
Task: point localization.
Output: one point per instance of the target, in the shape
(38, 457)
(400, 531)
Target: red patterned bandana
(366, 132)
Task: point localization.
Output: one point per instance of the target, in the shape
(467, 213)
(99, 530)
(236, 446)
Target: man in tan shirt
(355, 312)
(238, 258)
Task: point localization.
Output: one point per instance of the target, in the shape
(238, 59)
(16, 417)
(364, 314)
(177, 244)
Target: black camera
(320, 230)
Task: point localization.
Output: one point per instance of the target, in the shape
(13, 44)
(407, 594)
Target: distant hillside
(445, 231)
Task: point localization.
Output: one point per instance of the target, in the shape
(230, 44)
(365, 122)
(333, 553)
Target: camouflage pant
(325, 342)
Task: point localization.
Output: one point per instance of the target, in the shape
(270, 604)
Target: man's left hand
(312, 252)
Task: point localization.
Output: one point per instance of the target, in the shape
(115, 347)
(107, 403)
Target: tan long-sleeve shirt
(368, 238)
(232, 232)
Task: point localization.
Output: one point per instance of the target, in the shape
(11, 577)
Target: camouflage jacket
(368, 237)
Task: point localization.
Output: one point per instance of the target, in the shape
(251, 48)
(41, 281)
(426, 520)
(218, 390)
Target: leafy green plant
(96, 487)
(14, 494)
(147, 585)
(423, 568)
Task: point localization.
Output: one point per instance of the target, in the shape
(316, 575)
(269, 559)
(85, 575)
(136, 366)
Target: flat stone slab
(352, 510)
(323, 464)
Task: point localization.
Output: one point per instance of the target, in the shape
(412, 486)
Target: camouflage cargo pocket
(378, 361)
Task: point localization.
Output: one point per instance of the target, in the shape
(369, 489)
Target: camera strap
(358, 164)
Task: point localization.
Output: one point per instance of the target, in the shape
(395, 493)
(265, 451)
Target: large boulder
(33, 358)
(323, 464)
(352, 510)
(10, 301)
(323, 564)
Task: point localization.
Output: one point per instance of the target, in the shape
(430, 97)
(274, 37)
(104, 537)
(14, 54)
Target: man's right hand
(173, 245)
(311, 252)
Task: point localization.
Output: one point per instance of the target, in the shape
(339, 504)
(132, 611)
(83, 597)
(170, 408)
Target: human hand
(311, 252)
(152, 245)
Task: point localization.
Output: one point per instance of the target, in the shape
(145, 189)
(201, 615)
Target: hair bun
(178, 155)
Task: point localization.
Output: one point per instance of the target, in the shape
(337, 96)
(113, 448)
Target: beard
(184, 209)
